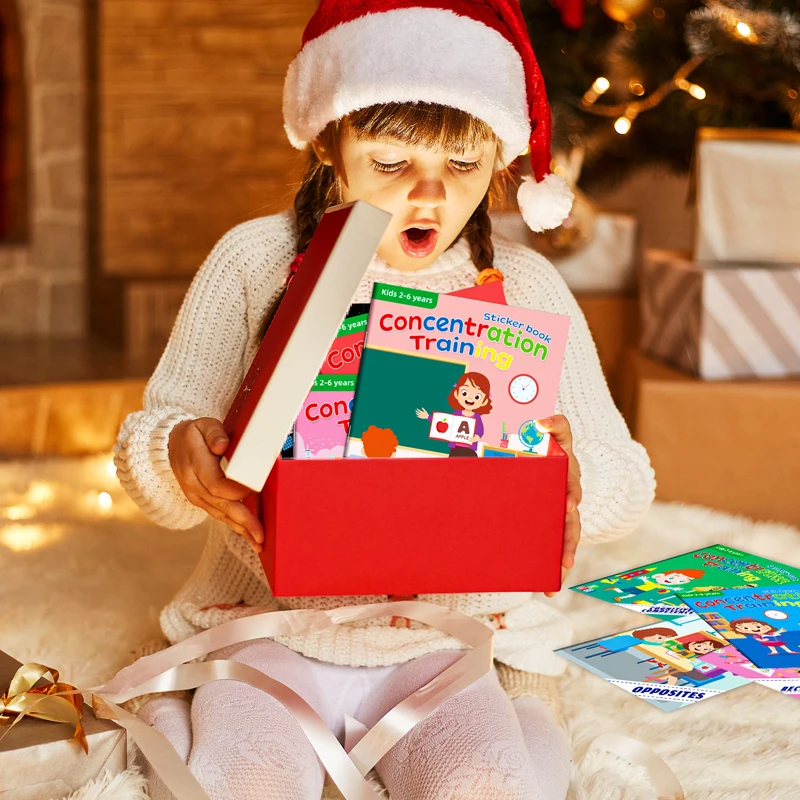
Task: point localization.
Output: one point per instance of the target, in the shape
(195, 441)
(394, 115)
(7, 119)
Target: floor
(84, 576)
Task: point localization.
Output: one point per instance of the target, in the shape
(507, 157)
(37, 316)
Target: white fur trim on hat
(546, 204)
(412, 54)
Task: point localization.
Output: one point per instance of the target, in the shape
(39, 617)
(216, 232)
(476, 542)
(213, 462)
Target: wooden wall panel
(190, 126)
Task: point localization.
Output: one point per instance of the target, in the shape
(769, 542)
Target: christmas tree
(630, 81)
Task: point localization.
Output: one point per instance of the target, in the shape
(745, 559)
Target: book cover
(654, 589)
(321, 427)
(665, 664)
(297, 340)
(762, 623)
(445, 376)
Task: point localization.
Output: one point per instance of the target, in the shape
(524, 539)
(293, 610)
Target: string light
(600, 86)
(693, 89)
(40, 493)
(20, 538)
(717, 14)
(111, 469)
(19, 512)
(104, 501)
(622, 125)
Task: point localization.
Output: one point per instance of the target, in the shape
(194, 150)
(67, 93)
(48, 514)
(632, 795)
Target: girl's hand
(195, 448)
(559, 428)
(422, 413)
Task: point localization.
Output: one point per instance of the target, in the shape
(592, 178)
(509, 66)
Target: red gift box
(414, 526)
(380, 526)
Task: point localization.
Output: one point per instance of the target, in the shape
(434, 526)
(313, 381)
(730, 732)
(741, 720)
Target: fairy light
(19, 512)
(693, 89)
(744, 30)
(40, 493)
(600, 86)
(111, 469)
(636, 87)
(21, 538)
(104, 502)
(622, 125)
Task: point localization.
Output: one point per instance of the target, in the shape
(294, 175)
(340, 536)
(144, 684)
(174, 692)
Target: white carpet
(81, 588)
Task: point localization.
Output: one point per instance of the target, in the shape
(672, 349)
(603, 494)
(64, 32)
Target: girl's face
(702, 648)
(421, 188)
(470, 397)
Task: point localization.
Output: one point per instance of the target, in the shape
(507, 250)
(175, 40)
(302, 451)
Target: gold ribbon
(55, 702)
(167, 670)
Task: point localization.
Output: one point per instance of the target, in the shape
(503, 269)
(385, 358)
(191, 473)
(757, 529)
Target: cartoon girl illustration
(470, 398)
(763, 633)
(660, 583)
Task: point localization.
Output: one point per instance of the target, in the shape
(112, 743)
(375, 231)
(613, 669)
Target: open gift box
(414, 526)
(379, 526)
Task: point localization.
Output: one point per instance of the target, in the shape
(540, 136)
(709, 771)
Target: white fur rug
(81, 588)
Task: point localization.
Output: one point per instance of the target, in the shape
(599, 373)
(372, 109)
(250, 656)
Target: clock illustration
(523, 389)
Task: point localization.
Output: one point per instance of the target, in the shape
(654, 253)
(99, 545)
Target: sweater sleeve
(197, 376)
(617, 480)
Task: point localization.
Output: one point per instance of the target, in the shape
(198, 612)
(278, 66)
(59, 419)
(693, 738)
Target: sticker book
(654, 589)
(320, 430)
(762, 623)
(446, 376)
(669, 665)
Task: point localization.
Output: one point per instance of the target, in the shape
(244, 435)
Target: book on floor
(667, 664)
(762, 622)
(654, 589)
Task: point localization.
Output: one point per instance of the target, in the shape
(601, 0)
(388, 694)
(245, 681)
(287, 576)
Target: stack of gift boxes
(713, 392)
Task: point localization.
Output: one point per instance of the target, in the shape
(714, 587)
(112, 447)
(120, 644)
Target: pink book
(454, 376)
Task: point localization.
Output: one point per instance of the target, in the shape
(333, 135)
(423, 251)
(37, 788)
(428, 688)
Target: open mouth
(418, 242)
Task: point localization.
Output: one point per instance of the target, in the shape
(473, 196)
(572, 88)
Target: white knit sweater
(211, 346)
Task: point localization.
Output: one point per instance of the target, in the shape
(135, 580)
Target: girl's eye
(381, 167)
(467, 166)
(477, 397)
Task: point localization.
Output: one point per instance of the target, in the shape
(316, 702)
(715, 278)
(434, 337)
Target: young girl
(418, 110)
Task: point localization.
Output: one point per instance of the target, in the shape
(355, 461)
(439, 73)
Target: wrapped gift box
(606, 264)
(41, 760)
(748, 194)
(414, 526)
(720, 321)
(728, 445)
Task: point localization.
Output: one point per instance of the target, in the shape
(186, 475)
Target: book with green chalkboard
(447, 376)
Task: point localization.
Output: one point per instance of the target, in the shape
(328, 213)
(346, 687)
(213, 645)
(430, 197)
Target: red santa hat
(474, 55)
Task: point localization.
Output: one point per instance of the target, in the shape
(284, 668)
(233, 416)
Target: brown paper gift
(747, 195)
(728, 445)
(720, 321)
(41, 760)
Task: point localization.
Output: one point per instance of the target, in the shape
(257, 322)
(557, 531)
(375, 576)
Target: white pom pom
(546, 204)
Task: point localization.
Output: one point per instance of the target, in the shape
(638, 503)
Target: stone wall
(42, 280)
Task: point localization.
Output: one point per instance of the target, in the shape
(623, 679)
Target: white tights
(242, 744)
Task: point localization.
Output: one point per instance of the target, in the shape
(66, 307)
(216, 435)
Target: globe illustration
(529, 434)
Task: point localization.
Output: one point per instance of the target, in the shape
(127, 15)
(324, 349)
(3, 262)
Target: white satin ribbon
(661, 776)
(167, 670)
